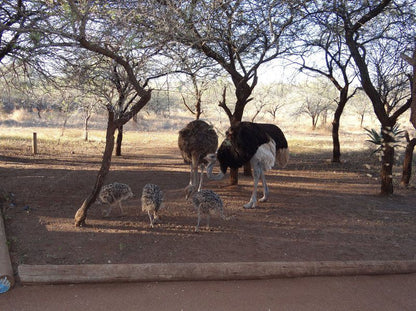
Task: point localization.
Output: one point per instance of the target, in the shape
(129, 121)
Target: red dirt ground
(317, 211)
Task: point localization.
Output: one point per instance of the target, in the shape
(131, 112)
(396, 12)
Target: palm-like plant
(376, 137)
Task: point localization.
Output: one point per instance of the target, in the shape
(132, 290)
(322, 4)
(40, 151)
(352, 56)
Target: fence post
(34, 143)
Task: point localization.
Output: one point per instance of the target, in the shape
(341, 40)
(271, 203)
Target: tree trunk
(387, 162)
(243, 92)
(198, 96)
(314, 121)
(64, 126)
(119, 141)
(407, 163)
(237, 117)
(247, 169)
(81, 214)
(198, 110)
(412, 62)
(86, 127)
(234, 176)
(336, 151)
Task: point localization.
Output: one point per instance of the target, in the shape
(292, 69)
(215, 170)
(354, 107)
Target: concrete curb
(72, 274)
(6, 269)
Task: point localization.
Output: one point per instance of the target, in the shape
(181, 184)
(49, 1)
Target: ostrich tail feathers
(282, 156)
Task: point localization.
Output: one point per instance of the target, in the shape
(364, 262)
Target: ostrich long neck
(210, 175)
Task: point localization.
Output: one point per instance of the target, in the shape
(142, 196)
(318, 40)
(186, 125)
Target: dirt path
(381, 293)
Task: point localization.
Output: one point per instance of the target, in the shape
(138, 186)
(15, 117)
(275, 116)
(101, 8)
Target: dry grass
(52, 140)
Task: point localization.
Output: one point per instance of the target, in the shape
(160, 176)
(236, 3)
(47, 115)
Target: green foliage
(35, 37)
(376, 137)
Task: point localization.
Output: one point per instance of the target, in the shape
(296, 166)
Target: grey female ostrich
(197, 140)
(261, 144)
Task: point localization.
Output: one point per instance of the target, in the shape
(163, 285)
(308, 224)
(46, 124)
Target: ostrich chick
(152, 201)
(114, 193)
(204, 202)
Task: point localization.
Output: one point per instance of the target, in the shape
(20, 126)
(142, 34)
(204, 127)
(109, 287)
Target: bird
(152, 201)
(204, 202)
(196, 140)
(261, 144)
(114, 193)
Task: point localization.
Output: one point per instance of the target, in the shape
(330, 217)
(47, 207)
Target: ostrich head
(227, 156)
(189, 191)
(212, 160)
(223, 157)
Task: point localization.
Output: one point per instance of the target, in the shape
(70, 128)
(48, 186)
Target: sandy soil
(317, 210)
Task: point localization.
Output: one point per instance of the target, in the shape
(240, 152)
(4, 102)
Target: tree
(407, 163)
(238, 36)
(277, 99)
(124, 99)
(20, 42)
(360, 105)
(116, 31)
(197, 72)
(19, 19)
(87, 107)
(271, 98)
(373, 32)
(322, 39)
(317, 101)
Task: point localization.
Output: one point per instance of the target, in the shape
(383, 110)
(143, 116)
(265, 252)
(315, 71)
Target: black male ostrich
(261, 144)
(195, 141)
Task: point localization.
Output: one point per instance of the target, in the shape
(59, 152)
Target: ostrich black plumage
(195, 141)
(262, 144)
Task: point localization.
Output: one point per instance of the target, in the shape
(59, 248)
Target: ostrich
(114, 193)
(152, 201)
(261, 144)
(195, 141)
(204, 202)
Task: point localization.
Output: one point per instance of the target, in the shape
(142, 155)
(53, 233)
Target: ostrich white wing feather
(266, 155)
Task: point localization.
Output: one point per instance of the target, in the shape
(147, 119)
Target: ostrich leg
(199, 220)
(106, 212)
(193, 178)
(155, 217)
(257, 171)
(150, 218)
(208, 217)
(191, 175)
(194, 170)
(202, 176)
(194, 174)
(265, 188)
(121, 208)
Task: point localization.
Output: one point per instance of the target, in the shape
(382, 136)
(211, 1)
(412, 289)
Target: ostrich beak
(211, 158)
(189, 191)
